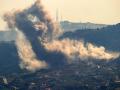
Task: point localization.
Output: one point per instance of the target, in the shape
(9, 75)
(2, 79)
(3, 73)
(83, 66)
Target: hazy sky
(96, 11)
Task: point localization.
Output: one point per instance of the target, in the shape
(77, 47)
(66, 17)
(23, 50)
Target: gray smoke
(38, 39)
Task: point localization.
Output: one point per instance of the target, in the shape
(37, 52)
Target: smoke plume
(38, 44)
(28, 57)
(77, 49)
(33, 23)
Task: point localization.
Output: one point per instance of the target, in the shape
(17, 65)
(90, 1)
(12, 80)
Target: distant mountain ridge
(108, 36)
(71, 26)
(7, 35)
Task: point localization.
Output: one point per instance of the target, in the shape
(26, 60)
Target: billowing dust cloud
(38, 37)
(74, 48)
(28, 57)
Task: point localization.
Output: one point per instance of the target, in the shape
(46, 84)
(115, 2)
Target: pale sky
(96, 11)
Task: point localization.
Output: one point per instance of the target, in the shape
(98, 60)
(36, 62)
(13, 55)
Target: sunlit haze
(96, 11)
